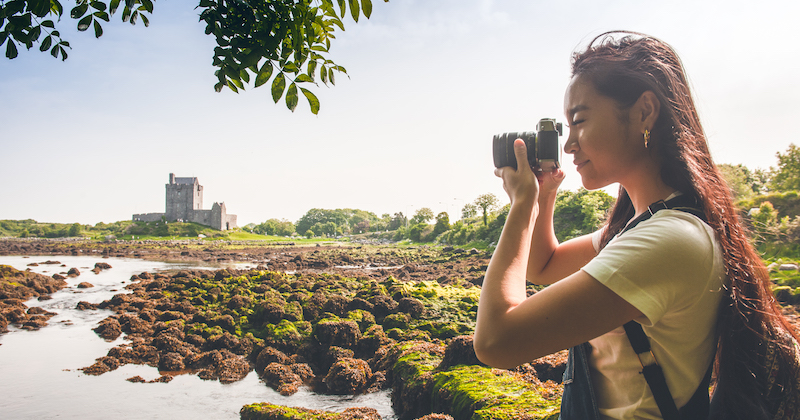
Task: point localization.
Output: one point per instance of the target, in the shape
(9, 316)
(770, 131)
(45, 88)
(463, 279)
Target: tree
(423, 215)
(579, 212)
(254, 38)
(787, 176)
(398, 221)
(487, 203)
(275, 227)
(442, 224)
(743, 182)
(469, 211)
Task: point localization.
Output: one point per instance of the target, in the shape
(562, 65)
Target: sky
(94, 138)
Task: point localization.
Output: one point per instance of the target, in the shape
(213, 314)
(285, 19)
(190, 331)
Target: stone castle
(185, 204)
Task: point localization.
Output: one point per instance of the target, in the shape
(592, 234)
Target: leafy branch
(285, 41)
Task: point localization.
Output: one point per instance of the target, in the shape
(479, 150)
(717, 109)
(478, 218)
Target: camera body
(544, 153)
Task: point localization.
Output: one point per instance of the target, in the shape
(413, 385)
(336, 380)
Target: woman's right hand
(522, 185)
(549, 183)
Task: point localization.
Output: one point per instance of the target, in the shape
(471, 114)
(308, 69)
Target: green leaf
(48, 24)
(46, 44)
(291, 97)
(313, 102)
(98, 30)
(54, 51)
(102, 15)
(148, 5)
(264, 74)
(278, 85)
(84, 23)
(63, 53)
(245, 75)
(331, 76)
(323, 74)
(303, 78)
(366, 7)
(40, 8)
(343, 6)
(113, 6)
(11, 49)
(355, 10)
(291, 67)
(79, 11)
(98, 5)
(146, 21)
(312, 69)
(126, 14)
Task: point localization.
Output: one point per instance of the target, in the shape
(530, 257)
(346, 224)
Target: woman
(694, 284)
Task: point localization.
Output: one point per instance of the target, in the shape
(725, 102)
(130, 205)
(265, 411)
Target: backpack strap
(651, 370)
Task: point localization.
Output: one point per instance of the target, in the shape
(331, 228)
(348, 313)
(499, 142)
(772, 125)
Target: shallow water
(39, 376)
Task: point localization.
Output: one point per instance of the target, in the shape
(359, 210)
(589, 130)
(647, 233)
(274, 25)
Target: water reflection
(39, 369)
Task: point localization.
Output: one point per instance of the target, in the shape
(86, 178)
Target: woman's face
(604, 146)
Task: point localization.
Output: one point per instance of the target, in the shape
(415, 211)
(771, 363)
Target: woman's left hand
(521, 184)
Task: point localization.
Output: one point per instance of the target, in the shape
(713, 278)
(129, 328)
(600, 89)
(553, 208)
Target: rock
(270, 355)
(102, 265)
(348, 376)
(83, 306)
(436, 417)
(787, 267)
(551, 367)
(335, 354)
(281, 378)
(170, 362)
(136, 379)
(101, 366)
(85, 285)
(411, 306)
(460, 352)
(382, 305)
(58, 276)
(73, 272)
(337, 333)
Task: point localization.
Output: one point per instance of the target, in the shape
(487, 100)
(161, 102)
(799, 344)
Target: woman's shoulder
(669, 232)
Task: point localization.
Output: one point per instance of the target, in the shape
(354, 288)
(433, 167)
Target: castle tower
(184, 195)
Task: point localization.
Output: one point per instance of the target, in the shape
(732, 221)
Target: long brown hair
(750, 324)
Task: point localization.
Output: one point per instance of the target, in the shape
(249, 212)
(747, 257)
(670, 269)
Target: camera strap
(698, 405)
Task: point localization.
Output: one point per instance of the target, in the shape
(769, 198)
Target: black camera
(544, 152)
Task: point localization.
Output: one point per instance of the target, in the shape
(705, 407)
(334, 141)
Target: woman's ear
(648, 107)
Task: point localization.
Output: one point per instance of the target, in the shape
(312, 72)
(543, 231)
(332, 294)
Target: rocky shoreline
(337, 319)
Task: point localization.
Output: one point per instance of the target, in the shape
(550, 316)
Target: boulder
(73, 272)
(348, 376)
(85, 285)
(109, 329)
(459, 352)
(171, 362)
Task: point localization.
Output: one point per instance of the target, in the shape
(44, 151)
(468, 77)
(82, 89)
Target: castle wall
(184, 203)
(148, 217)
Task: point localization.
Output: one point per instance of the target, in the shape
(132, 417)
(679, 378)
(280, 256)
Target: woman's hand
(521, 185)
(549, 183)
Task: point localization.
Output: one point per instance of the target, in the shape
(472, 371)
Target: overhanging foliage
(285, 41)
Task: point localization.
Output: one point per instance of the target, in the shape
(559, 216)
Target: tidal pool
(39, 376)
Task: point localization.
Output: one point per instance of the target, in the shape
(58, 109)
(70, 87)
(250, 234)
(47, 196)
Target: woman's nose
(571, 145)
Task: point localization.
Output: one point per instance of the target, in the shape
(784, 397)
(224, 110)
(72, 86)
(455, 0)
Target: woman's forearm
(504, 284)
(543, 242)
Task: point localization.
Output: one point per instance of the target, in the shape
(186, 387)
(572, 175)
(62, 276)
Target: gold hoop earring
(646, 137)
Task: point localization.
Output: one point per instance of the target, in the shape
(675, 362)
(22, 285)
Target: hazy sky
(94, 138)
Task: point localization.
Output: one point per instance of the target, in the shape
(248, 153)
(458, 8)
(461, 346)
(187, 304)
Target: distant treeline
(767, 199)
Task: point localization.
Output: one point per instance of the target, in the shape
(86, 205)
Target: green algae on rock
(266, 411)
